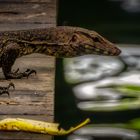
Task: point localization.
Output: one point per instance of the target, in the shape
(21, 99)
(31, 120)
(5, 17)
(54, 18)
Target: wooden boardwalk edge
(33, 98)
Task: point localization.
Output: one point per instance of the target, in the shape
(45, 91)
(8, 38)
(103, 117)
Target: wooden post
(33, 97)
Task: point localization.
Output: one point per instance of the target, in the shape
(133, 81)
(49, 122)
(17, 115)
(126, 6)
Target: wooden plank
(33, 98)
(27, 1)
(23, 136)
(27, 13)
(20, 26)
(34, 94)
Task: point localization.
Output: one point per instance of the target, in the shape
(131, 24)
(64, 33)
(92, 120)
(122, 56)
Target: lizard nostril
(117, 52)
(96, 39)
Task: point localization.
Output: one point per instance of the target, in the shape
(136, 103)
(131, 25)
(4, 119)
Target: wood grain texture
(33, 98)
(27, 13)
(22, 26)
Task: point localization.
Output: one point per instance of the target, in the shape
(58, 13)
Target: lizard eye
(74, 38)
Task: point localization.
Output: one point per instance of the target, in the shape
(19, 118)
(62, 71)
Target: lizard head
(85, 41)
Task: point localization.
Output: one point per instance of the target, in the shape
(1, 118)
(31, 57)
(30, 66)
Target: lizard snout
(116, 51)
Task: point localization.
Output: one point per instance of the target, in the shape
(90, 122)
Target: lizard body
(61, 41)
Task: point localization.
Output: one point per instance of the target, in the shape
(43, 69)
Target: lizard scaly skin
(61, 41)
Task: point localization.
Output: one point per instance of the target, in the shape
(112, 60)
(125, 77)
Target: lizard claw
(11, 85)
(32, 71)
(28, 72)
(5, 90)
(19, 75)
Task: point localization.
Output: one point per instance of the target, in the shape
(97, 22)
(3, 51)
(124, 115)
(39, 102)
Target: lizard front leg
(10, 53)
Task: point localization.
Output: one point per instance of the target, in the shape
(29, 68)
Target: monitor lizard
(60, 41)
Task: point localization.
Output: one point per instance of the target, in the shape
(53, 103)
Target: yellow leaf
(19, 124)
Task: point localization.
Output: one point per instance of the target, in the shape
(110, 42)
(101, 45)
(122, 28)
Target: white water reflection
(108, 84)
(105, 132)
(89, 105)
(91, 68)
(89, 91)
(99, 96)
(77, 137)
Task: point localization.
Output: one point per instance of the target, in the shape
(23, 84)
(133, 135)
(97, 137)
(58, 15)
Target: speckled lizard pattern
(61, 41)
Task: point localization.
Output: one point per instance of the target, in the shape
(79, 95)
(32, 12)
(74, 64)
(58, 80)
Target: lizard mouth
(109, 51)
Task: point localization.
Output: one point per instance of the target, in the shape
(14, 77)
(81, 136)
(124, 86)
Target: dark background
(107, 17)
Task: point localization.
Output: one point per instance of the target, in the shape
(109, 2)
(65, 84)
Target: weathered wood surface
(27, 14)
(27, 1)
(33, 97)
